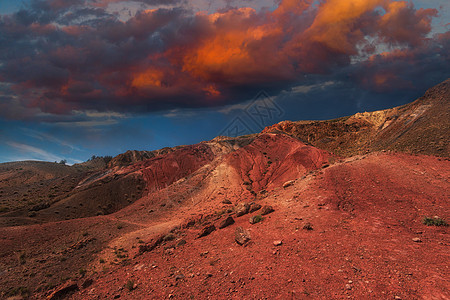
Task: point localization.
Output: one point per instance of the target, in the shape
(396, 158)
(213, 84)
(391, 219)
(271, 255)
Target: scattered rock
(81, 244)
(65, 290)
(255, 219)
(241, 236)
(288, 183)
(254, 207)
(206, 230)
(348, 286)
(169, 237)
(180, 243)
(417, 240)
(179, 277)
(227, 222)
(278, 243)
(308, 226)
(152, 245)
(226, 201)
(242, 209)
(189, 223)
(267, 209)
(40, 207)
(87, 283)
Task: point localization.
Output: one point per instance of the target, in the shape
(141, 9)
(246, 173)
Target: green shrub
(435, 221)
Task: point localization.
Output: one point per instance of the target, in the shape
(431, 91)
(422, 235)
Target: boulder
(242, 209)
(227, 222)
(288, 183)
(267, 209)
(254, 207)
(255, 219)
(64, 291)
(206, 230)
(241, 236)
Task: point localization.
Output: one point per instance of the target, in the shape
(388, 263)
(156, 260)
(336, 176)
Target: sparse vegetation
(102, 261)
(435, 221)
(82, 271)
(21, 290)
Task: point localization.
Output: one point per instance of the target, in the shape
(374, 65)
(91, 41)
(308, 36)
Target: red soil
(364, 212)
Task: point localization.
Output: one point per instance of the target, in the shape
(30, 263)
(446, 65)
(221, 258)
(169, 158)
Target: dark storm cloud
(57, 56)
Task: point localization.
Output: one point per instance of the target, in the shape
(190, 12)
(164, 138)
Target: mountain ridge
(394, 129)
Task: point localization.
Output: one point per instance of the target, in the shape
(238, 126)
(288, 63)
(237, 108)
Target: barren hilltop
(349, 208)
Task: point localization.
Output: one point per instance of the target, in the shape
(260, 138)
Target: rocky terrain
(349, 208)
(421, 127)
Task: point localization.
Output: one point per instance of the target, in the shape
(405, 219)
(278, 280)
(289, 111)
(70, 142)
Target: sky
(100, 77)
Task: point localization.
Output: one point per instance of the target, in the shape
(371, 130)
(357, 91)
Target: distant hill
(421, 127)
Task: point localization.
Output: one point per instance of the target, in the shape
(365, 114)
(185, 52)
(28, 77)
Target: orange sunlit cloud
(177, 57)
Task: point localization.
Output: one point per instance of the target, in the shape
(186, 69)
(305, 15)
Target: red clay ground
(364, 212)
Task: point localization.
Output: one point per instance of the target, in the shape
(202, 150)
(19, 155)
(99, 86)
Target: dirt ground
(341, 228)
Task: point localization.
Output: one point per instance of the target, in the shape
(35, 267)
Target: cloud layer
(61, 56)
